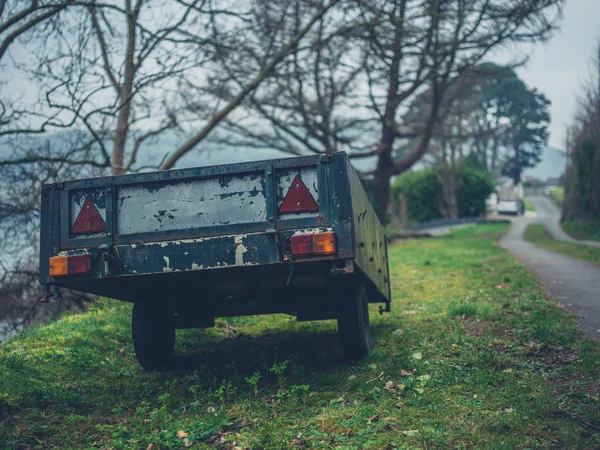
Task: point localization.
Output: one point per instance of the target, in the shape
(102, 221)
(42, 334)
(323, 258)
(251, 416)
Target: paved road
(548, 213)
(573, 283)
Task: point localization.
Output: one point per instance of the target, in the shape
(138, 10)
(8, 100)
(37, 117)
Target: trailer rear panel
(141, 228)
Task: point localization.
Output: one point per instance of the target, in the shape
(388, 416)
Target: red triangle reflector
(298, 199)
(89, 220)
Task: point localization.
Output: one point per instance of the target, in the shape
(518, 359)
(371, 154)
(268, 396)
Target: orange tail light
(70, 265)
(313, 244)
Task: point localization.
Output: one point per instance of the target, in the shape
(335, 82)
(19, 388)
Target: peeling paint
(168, 267)
(239, 254)
(156, 207)
(312, 231)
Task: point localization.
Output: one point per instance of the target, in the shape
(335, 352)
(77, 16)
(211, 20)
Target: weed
(253, 381)
(278, 369)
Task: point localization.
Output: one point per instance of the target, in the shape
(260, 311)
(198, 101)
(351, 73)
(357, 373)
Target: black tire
(353, 322)
(153, 334)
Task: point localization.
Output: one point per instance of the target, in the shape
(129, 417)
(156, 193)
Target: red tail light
(89, 220)
(80, 264)
(302, 245)
(298, 199)
(70, 265)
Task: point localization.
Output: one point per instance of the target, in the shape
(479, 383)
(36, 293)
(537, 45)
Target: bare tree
(308, 104)
(398, 49)
(116, 71)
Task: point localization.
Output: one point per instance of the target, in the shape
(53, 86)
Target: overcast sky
(557, 68)
(560, 67)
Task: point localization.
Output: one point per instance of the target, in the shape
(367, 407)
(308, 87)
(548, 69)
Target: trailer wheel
(353, 323)
(153, 334)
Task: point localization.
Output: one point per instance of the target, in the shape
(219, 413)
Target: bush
(422, 192)
(474, 187)
(424, 196)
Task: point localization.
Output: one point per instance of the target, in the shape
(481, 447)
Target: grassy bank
(536, 234)
(581, 229)
(557, 194)
(473, 355)
(528, 205)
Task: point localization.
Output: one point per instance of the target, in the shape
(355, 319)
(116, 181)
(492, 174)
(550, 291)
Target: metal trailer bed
(294, 235)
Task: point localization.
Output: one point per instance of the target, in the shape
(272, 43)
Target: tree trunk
(125, 92)
(383, 173)
(447, 178)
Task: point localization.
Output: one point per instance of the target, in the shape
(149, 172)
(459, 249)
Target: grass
(536, 234)
(587, 230)
(473, 355)
(528, 205)
(557, 194)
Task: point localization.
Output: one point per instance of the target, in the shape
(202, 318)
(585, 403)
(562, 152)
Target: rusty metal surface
(149, 208)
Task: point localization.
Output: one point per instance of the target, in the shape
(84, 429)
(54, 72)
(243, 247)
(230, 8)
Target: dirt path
(573, 283)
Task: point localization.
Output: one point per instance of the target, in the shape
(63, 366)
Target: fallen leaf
(151, 446)
(389, 386)
(210, 409)
(424, 377)
(411, 432)
(121, 352)
(182, 434)
(417, 355)
(298, 442)
(404, 373)
(352, 377)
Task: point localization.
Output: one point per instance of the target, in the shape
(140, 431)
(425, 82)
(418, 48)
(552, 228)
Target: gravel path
(573, 283)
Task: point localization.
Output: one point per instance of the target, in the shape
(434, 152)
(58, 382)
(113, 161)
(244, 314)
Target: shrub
(423, 193)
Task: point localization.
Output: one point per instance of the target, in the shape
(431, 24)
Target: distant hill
(552, 165)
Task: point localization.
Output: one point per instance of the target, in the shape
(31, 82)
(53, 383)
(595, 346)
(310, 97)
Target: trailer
(295, 235)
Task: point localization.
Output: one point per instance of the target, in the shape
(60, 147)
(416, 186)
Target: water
(7, 331)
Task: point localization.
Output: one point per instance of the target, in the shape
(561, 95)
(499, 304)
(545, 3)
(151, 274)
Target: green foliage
(587, 230)
(517, 115)
(471, 356)
(424, 195)
(422, 192)
(557, 194)
(474, 187)
(278, 369)
(253, 381)
(528, 205)
(582, 186)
